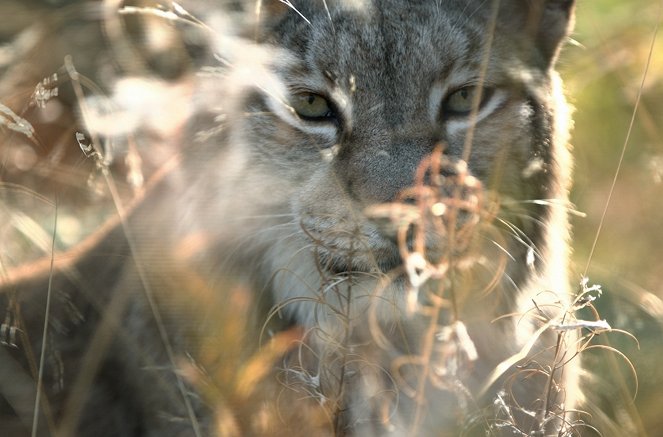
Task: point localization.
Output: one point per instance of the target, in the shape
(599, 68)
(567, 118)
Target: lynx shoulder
(326, 218)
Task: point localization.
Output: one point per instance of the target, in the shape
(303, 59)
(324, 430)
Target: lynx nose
(379, 174)
(438, 214)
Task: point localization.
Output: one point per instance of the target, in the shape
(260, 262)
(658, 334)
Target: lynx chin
(327, 217)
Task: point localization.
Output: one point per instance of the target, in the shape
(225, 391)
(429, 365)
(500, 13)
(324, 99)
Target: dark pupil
(464, 93)
(311, 99)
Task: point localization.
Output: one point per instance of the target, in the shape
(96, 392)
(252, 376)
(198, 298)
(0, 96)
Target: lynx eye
(459, 102)
(312, 107)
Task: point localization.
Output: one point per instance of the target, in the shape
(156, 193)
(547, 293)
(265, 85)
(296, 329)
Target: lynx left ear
(550, 21)
(546, 22)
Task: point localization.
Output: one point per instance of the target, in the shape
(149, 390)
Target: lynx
(353, 221)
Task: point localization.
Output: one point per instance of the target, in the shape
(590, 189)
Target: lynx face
(389, 177)
(350, 98)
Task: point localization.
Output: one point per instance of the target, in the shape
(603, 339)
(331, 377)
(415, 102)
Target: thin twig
(626, 140)
(40, 377)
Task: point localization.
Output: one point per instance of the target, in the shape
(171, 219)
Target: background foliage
(603, 74)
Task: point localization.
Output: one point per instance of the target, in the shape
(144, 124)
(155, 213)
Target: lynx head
(334, 106)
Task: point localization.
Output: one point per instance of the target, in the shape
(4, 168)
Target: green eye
(460, 101)
(311, 106)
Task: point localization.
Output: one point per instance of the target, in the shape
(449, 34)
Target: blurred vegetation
(603, 74)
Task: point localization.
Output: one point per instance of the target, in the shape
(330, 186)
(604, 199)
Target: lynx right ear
(545, 22)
